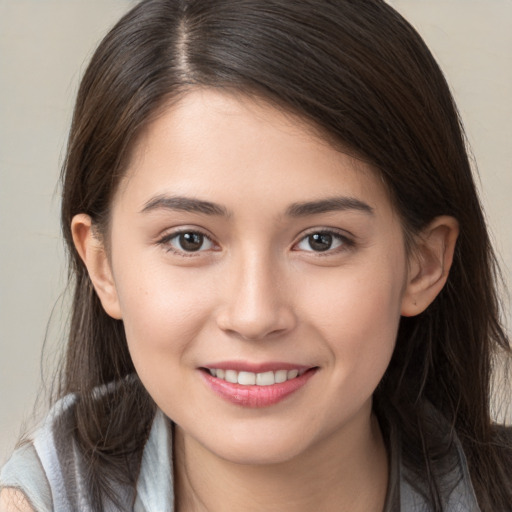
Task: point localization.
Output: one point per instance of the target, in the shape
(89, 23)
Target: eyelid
(165, 238)
(347, 239)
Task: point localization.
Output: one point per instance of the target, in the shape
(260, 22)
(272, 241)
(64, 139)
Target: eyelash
(345, 242)
(166, 239)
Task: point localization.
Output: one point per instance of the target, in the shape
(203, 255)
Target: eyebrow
(184, 204)
(302, 209)
(328, 205)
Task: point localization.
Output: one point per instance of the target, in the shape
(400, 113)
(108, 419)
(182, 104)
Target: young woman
(284, 287)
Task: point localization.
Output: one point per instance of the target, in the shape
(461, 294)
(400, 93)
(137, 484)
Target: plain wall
(44, 46)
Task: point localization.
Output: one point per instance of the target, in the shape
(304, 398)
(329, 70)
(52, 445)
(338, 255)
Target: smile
(259, 388)
(256, 379)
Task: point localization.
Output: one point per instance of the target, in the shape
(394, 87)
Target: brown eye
(320, 241)
(188, 241)
(191, 242)
(323, 241)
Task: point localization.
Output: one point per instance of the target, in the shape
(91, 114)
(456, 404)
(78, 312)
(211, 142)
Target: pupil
(320, 241)
(191, 241)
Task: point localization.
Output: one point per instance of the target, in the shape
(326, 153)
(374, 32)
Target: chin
(258, 448)
(255, 455)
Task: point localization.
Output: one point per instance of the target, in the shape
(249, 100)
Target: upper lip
(244, 366)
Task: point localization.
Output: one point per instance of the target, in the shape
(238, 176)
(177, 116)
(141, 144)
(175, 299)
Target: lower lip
(256, 396)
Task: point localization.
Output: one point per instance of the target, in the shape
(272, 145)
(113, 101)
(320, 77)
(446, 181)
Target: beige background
(44, 45)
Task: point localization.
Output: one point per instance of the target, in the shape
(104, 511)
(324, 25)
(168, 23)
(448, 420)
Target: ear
(429, 264)
(91, 249)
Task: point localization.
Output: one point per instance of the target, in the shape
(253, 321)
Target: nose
(256, 305)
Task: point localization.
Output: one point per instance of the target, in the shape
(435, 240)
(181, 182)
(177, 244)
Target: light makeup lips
(252, 385)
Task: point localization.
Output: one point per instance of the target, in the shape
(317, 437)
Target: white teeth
(292, 374)
(265, 379)
(250, 378)
(231, 376)
(247, 378)
(281, 376)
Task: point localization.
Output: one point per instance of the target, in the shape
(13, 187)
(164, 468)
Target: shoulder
(51, 472)
(13, 500)
(23, 481)
(28, 474)
(433, 465)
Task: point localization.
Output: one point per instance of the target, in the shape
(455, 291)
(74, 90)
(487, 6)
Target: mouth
(256, 389)
(245, 378)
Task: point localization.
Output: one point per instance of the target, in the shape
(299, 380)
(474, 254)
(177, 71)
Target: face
(260, 275)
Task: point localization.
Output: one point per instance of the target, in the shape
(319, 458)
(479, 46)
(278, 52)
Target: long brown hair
(360, 74)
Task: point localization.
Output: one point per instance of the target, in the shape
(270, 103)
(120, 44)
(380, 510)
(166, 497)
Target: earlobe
(92, 251)
(429, 264)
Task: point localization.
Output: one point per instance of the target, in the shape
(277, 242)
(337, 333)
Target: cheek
(358, 314)
(163, 315)
(163, 309)
(356, 299)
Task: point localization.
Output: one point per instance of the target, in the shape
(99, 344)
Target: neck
(347, 471)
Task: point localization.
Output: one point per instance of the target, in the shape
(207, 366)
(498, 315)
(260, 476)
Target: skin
(257, 291)
(13, 500)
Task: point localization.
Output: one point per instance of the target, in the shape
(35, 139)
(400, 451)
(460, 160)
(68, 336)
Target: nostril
(252, 325)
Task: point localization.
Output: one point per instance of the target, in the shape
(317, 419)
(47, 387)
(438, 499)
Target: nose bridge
(256, 304)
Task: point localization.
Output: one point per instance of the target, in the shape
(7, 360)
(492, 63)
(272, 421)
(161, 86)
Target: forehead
(213, 143)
